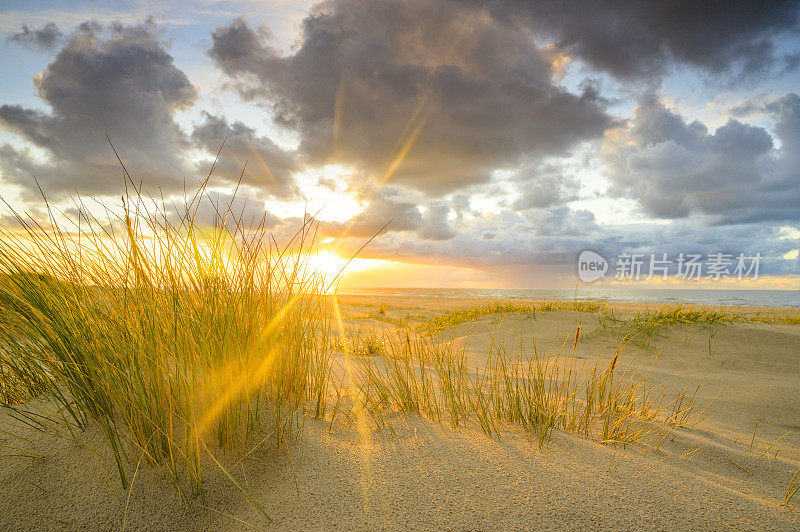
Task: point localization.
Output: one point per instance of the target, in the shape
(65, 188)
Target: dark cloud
(547, 187)
(244, 212)
(466, 98)
(435, 222)
(635, 40)
(503, 239)
(736, 174)
(542, 245)
(45, 38)
(453, 92)
(561, 222)
(122, 83)
(388, 204)
(269, 168)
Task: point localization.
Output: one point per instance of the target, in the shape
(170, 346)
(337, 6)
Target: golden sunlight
(427, 264)
(333, 268)
(325, 195)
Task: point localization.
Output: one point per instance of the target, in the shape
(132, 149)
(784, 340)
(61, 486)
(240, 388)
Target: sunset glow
(399, 264)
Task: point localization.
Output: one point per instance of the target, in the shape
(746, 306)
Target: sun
(333, 268)
(327, 263)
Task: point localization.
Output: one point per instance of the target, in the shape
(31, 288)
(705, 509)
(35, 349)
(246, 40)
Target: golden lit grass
(792, 490)
(469, 314)
(783, 318)
(421, 373)
(172, 338)
(178, 340)
(646, 325)
(361, 342)
(643, 327)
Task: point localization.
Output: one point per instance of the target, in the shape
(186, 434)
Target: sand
(429, 476)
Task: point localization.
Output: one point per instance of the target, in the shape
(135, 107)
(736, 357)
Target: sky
(498, 139)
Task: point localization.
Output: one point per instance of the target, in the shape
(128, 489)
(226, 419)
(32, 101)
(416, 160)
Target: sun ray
(338, 113)
(365, 439)
(250, 376)
(408, 136)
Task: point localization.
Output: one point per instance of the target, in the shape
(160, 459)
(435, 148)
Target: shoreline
(653, 296)
(406, 301)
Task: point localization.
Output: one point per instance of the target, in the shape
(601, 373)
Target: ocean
(739, 298)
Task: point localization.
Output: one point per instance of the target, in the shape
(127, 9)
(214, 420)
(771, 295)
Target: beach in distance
(704, 431)
(622, 294)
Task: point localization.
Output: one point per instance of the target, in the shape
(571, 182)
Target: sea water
(745, 298)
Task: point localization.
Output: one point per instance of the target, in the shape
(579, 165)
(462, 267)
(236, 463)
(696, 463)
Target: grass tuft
(470, 314)
(643, 327)
(424, 373)
(168, 335)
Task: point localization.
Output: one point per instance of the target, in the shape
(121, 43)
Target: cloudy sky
(501, 138)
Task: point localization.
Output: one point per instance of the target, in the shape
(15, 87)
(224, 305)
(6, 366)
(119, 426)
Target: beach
(399, 264)
(727, 466)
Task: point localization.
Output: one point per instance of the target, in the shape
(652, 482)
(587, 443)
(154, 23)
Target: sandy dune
(428, 476)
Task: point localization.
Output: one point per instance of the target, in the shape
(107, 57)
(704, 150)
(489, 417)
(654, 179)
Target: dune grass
(470, 314)
(792, 490)
(361, 341)
(782, 318)
(180, 340)
(425, 374)
(643, 327)
(172, 337)
(177, 340)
